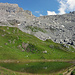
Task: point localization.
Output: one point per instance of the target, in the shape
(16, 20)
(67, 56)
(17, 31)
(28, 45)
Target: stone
(4, 30)
(13, 42)
(23, 50)
(26, 64)
(9, 41)
(8, 28)
(72, 51)
(5, 43)
(45, 67)
(8, 32)
(17, 37)
(45, 51)
(3, 35)
(24, 45)
(27, 56)
(51, 46)
(14, 22)
(19, 46)
(18, 61)
(28, 12)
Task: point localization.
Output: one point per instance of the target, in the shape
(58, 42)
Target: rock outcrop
(59, 28)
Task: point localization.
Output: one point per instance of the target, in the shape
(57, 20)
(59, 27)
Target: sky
(45, 7)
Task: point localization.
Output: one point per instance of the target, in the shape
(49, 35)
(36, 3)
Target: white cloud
(62, 7)
(41, 15)
(66, 5)
(71, 4)
(37, 11)
(51, 13)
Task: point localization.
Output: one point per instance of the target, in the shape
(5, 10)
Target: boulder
(24, 45)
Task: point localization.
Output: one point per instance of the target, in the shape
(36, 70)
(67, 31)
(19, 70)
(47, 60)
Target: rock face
(59, 28)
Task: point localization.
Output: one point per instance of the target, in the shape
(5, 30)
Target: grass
(35, 29)
(35, 47)
(37, 67)
(73, 72)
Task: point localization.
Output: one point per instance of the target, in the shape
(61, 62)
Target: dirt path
(17, 61)
(68, 72)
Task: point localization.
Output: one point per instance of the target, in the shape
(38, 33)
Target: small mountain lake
(37, 67)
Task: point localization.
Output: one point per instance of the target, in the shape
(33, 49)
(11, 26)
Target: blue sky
(45, 7)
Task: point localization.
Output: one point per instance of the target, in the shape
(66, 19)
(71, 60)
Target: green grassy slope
(11, 40)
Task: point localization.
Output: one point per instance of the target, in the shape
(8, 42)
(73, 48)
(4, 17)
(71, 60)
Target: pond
(37, 67)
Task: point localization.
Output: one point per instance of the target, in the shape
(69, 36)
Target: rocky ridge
(59, 28)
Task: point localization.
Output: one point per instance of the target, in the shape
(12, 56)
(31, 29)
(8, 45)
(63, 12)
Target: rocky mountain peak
(8, 4)
(12, 8)
(28, 12)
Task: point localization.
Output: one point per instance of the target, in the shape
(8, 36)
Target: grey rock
(5, 43)
(13, 22)
(45, 51)
(23, 50)
(9, 41)
(24, 45)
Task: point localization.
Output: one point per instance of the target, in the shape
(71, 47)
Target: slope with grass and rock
(15, 44)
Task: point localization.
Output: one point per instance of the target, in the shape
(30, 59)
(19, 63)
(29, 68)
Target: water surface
(37, 67)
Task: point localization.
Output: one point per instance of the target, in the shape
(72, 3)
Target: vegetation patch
(35, 29)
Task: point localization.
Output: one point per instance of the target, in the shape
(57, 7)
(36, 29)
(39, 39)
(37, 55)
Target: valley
(32, 45)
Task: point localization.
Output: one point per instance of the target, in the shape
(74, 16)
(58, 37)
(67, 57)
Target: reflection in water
(45, 67)
(37, 67)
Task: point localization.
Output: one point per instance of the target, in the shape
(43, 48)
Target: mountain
(58, 28)
(28, 43)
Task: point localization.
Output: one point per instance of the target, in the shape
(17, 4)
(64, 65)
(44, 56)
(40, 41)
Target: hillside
(15, 44)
